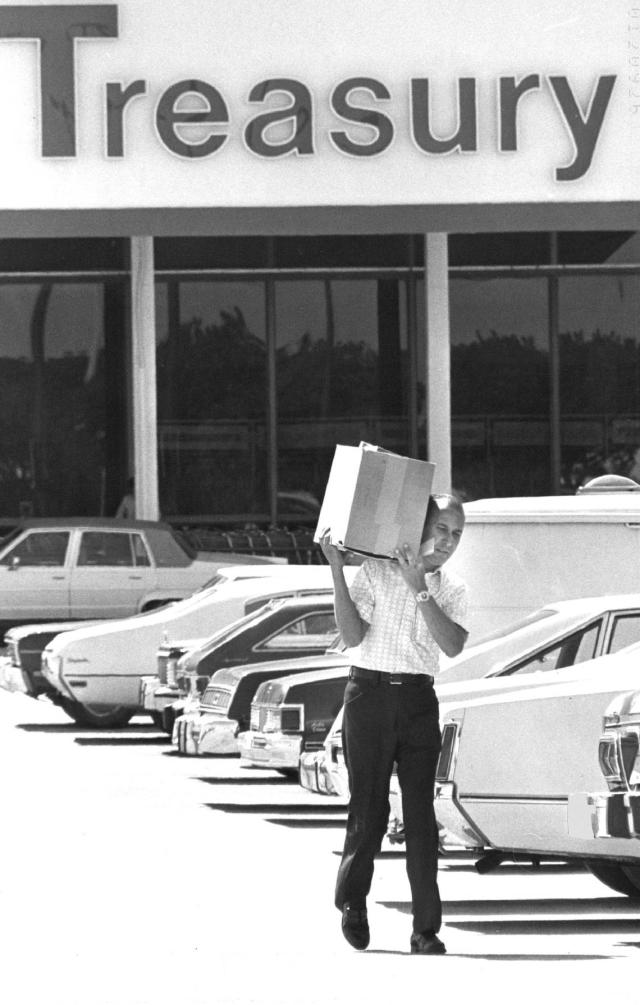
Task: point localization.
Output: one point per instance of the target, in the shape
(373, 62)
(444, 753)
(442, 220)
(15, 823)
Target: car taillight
(609, 763)
(254, 721)
(629, 756)
(171, 671)
(445, 765)
(291, 718)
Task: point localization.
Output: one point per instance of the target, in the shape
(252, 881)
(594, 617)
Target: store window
(61, 450)
(499, 386)
(599, 349)
(212, 399)
(342, 374)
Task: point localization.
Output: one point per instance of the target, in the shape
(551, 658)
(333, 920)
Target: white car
(554, 638)
(87, 568)
(517, 762)
(98, 670)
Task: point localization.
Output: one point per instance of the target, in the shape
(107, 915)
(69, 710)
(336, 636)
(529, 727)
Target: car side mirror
(15, 563)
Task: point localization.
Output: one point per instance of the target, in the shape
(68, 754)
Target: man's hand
(411, 567)
(333, 555)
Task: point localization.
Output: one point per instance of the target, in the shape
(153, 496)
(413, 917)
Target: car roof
(107, 522)
(559, 509)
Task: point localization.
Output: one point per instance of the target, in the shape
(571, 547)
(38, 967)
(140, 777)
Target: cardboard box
(375, 501)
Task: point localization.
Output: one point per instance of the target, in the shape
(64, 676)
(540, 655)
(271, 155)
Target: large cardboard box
(375, 500)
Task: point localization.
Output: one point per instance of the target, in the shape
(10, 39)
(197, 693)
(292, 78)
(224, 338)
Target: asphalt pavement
(131, 876)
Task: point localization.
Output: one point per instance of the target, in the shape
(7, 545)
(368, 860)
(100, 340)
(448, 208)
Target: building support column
(438, 359)
(143, 368)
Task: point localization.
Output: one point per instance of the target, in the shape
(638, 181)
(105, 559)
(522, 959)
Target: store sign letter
(56, 27)
(192, 120)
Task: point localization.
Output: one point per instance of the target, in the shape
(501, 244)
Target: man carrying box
(400, 613)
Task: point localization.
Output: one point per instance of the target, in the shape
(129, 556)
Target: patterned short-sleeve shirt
(397, 639)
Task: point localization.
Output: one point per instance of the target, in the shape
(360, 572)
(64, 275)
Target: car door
(111, 574)
(35, 577)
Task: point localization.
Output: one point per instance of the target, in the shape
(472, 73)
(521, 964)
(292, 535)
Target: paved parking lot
(130, 875)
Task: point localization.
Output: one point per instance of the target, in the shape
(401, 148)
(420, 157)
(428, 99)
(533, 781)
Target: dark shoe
(427, 944)
(355, 926)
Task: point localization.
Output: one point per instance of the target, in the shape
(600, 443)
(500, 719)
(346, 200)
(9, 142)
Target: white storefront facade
(415, 222)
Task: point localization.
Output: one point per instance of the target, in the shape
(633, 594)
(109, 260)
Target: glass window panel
(499, 386)
(341, 374)
(40, 548)
(105, 548)
(625, 631)
(313, 630)
(599, 336)
(54, 426)
(212, 397)
(141, 555)
(575, 648)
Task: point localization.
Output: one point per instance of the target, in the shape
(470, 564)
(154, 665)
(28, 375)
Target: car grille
(216, 697)
(443, 768)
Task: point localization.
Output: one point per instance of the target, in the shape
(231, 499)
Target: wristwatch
(422, 596)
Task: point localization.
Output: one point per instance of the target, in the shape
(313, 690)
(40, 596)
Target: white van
(517, 554)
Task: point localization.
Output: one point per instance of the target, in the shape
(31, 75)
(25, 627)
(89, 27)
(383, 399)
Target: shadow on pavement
(230, 780)
(116, 739)
(499, 957)
(614, 906)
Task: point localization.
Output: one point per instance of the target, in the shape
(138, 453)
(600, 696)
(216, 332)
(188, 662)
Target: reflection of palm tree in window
(326, 395)
(37, 336)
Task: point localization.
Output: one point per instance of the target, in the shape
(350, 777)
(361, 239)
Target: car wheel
(158, 722)
(617, 877)
(97, 716)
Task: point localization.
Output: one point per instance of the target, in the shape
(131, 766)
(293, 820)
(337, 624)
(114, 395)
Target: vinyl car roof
(110, 522)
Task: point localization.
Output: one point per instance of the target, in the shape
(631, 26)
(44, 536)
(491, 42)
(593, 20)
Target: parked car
(21, 659)
(89, 568)
(614, 813)
(283, 627)
(292, 716)
(224, 710)
(97, 670)
(324, 771)
(554, 638)
(514, 758)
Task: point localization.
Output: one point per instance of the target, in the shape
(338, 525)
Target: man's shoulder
(452, 581)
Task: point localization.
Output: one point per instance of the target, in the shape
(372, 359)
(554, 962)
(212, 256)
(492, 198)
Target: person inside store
(400, 614)
(127, 508)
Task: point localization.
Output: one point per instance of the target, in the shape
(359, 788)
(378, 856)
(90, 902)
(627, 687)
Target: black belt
(381, 677)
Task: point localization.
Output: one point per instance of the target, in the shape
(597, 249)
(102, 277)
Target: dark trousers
(383, 723)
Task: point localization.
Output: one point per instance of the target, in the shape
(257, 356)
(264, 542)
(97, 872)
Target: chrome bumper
(455, 828)
(154, 696)
(12, 677)
(314, 775)
(216, 736)
(270, 750)
(604, 815)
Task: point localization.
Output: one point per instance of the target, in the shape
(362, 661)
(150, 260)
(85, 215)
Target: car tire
(617, 877)
(158, 721)
(97, 717)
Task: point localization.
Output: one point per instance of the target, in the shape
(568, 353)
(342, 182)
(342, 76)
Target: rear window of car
(168, 551)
